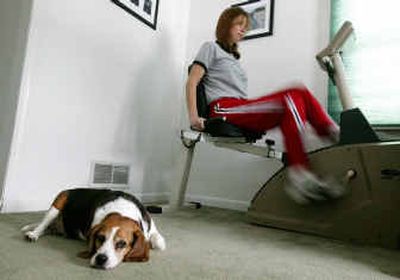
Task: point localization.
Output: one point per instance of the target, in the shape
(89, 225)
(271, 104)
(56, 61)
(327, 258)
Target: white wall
(301, 29)
(97, 85)
(14, 22)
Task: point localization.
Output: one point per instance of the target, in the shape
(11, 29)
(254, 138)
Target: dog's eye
(100, 238)
(120, 244)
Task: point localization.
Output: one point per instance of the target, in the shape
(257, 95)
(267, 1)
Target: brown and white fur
(120, 229)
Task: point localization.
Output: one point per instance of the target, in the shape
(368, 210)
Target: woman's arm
(196, 74)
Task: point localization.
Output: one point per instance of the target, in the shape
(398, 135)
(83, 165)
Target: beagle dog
(115, 224)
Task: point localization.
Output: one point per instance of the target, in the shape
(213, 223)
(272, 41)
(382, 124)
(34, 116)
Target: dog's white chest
(122, 206)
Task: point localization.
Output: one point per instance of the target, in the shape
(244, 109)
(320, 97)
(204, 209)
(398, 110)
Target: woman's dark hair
(224, 25)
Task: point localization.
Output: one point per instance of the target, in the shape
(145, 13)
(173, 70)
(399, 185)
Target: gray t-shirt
(224, 75)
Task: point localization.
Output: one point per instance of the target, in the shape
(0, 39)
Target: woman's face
(238, 29)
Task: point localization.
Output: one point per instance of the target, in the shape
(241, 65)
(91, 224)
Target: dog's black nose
(101, 259)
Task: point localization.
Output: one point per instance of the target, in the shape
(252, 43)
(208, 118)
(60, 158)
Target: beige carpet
(202, 244)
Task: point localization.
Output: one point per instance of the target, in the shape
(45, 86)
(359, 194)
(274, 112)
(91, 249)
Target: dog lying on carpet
(115, 224)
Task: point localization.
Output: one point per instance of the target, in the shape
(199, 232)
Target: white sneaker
(333, 136)
(304, 187)
(334, 188)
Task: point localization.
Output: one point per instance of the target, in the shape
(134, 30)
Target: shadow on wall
(148, 122)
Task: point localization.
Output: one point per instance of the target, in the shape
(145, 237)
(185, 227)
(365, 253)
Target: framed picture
(261, 14)
(144, 10)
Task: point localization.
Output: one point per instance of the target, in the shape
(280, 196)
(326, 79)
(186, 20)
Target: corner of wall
(21, 27)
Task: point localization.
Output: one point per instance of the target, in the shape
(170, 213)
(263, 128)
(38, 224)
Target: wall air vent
(110, 174)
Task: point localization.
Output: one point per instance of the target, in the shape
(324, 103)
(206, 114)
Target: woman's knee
(302, 94)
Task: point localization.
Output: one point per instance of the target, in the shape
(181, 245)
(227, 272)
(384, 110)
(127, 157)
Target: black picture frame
(134, 8)
(268, 29)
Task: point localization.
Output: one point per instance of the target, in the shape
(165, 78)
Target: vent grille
(102, 174)
(108, 173)
(120, 175)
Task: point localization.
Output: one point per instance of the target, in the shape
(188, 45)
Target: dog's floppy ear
(91, 246)
(140, 248)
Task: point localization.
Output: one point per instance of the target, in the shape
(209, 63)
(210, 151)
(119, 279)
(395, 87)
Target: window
(372, 60)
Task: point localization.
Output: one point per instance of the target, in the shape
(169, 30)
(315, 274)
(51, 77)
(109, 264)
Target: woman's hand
(197, 123)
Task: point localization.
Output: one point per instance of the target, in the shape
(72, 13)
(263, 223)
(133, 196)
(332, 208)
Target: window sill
(388, 132)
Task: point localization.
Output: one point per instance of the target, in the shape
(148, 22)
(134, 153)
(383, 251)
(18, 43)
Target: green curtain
(372, 58)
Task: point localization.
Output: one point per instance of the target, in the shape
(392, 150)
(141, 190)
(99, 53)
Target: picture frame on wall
(144, 10)
(261, 14)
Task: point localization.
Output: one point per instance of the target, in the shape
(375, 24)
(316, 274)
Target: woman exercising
(225, 84)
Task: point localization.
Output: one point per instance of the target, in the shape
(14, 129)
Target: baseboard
(219, 202)
(160, 197)
(204, 200)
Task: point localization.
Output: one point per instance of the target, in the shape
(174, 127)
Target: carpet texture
(202, 244)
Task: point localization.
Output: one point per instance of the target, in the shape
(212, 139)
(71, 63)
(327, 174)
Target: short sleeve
(205, 56)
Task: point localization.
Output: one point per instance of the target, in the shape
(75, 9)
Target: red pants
(289, 109)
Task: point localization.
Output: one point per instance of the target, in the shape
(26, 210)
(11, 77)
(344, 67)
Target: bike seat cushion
(218, 127)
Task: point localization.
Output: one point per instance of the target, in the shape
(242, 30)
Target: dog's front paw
(31, 236)
(28, 227)
(158, 242)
